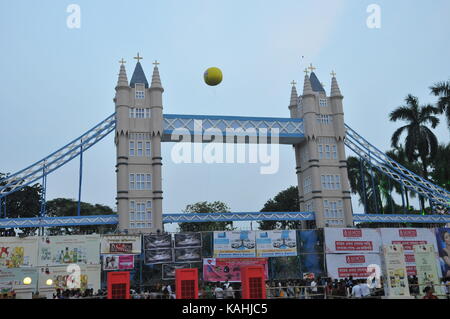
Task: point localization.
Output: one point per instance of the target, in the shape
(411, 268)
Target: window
(147, 149)
(140, 95)
(147, 113)
(307, 185)
(132, 183)
(137, 143)
(324, 119)
(333, 212)
(323, 102)
(309, 206)
(327, 148)
(139, 149)
(331, 182)
(140, 113)
(149, 182)
(131, 148)
(141, 215)
(140, 182)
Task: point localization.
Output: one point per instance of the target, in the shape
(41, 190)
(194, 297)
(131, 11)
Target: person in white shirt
(365, 289)
(356, 291)
(218, 292)
(313, 289)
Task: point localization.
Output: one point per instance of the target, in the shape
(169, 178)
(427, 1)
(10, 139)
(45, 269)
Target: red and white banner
(225, 269)
(352, 241)
(408, 238)
(118, 262)
(357, 266)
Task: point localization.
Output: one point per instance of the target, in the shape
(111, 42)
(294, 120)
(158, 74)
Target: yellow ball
(213, 76)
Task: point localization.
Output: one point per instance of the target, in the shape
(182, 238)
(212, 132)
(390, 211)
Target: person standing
(229, 292)
(356, 291)
(218, 291)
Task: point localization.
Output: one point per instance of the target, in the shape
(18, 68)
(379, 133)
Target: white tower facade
(321, 161)
(139, 119)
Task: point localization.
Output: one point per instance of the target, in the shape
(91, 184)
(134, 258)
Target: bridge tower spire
(320, 159)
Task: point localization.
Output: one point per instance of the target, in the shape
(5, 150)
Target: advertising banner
(310, 241)
(408, 238)
(118, 262)
(188, 254)
(362, 266)
(12, 279)
(395, 271)
(276, 243)
(118, 244)
(352, 240)
(18, 252)
(234, 244)
(60, 250)
(427, 268)
(220, 269)
(443, 242)
(157, 241)
(71, 276)
(188, 240)
(158, 256)
(168, 270)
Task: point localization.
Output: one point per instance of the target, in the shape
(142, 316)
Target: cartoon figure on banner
(12, 259)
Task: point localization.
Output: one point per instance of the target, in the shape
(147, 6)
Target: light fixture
(49, 282)
(27, 281)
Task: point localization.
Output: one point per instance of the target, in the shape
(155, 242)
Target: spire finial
(306, 71)
(122, 62)
(138, 58)
(311, 67)
(156, 63)
(333, 74)
(293, 83)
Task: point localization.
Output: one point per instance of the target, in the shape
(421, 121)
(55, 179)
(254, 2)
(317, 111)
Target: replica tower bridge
(315, 128)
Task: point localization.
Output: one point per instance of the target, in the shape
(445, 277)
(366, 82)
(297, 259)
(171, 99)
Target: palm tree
(442, 90)
(420, 141)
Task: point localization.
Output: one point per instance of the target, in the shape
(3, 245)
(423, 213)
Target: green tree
(204, 208)
(441, 167)
(286, 201)
(420, 141)
(442, 90)
(25, 203)
(68, 207)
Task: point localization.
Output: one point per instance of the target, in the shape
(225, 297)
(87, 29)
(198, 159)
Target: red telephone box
(186, 285)
(253, 282)
(119, 285)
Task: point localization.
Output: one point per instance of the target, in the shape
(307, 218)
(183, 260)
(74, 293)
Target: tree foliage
(285, 201)
(204, 208)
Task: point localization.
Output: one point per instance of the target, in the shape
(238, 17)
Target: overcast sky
(58, 82)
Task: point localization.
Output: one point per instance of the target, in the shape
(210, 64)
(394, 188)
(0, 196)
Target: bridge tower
(321, 161)
(138, 145)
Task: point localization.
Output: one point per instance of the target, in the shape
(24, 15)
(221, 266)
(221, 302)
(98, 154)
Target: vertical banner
(396, 278)
(427, 268)
(118, 244)
(443, 241)
(352, 240)
(60, 250)
(18, 252)
(234, 244)
(276, 243)
(408, 238)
